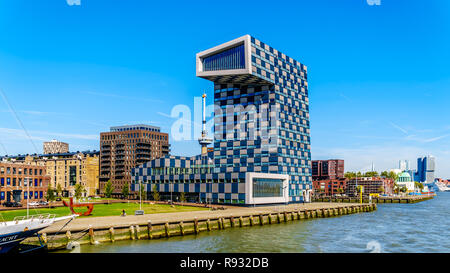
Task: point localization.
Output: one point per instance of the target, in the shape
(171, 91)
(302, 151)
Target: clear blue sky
(378, 75)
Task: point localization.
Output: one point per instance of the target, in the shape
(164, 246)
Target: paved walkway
(115, 221)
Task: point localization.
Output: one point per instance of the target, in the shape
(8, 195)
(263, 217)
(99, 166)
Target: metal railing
(35, 217)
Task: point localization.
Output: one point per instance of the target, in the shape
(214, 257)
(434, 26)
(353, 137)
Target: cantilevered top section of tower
(246, 60)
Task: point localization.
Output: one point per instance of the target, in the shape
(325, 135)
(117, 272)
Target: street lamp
(140, 195)
(285, 203)
(28, 194)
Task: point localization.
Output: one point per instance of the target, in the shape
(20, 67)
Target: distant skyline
(379, 83)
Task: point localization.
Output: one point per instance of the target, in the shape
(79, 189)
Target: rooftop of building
(135, 127)
(59, 155)
(55, 141)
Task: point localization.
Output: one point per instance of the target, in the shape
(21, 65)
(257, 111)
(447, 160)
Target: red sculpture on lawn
(71, 205)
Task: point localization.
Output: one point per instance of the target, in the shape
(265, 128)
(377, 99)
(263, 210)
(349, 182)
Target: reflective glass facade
(265, 187)
(233, 58)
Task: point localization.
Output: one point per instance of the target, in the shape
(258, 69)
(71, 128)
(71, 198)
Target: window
(233, 58)
(265, 187)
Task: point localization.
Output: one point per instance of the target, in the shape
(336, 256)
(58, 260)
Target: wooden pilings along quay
(161, 229)
(379, 200)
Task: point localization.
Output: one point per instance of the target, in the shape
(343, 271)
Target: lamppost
(28, 194)
(286, 202)
(140, 195)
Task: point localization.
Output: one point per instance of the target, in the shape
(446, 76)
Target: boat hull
(10, 241)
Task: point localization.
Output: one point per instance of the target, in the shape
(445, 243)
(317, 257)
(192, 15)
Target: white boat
(441, 186)
(22, 227)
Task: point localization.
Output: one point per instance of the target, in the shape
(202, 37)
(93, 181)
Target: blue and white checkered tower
(251, 75)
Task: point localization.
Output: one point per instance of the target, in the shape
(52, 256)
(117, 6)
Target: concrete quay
(153, 226)
(380, 200)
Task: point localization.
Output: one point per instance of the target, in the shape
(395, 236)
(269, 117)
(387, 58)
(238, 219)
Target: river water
(420, 227)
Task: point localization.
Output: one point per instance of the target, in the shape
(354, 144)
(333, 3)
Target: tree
(108, 189)
(349, 175)
(371, 174)
(403, 189)
(58, 189)
(392, 175)
(78, 190)
(155, 193)
(125, 190)
(381, 189)
(142, 193)
(50, 195)
(396, 188)
(418, 185)
(182, 197)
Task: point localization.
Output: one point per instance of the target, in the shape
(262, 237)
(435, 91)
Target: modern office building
(425, 169)
(55, 147)
(124, 148)
(403, 165)
(327, 169)
(19, 182)
(67, 170)
(261, 130)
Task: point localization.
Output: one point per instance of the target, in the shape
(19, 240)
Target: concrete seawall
(379, 200)
(148, 227)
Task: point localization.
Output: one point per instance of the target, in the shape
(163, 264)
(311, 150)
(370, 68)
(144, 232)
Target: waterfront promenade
(160, 218)
(153, 226)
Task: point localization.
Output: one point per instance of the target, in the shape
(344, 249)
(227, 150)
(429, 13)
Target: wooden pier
(379, 200)
(181, 224)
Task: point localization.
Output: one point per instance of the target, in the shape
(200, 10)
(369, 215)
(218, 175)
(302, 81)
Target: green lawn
(100, 210)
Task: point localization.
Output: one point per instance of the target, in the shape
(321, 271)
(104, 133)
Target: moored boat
(12, 233)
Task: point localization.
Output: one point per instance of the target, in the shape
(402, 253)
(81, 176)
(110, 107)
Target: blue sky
(379, 80)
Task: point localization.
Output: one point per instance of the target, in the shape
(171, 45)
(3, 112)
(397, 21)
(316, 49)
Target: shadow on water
(420, 227)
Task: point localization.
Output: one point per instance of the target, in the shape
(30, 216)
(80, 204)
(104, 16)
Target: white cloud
(44, 136)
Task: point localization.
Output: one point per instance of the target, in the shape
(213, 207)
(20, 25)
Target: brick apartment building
(124, 148)
(330, 186)
(370, 184)
(55, 147)
(327, 169)
(14, 180)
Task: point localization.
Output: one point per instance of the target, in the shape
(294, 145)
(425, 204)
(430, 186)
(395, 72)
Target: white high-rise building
(403, 165)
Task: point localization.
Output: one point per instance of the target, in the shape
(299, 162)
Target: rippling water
(421, 227)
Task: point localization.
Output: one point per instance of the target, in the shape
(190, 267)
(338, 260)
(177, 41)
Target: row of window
(233, 58)
(134, 135)
(26, 171)
(33, 195)
(18, 182)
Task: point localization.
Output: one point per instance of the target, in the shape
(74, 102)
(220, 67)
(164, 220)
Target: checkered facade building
(261, 122)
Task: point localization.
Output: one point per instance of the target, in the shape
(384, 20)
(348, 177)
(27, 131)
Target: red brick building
(327, 169)
(330, 186)
(124, 148)
(14, 179)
